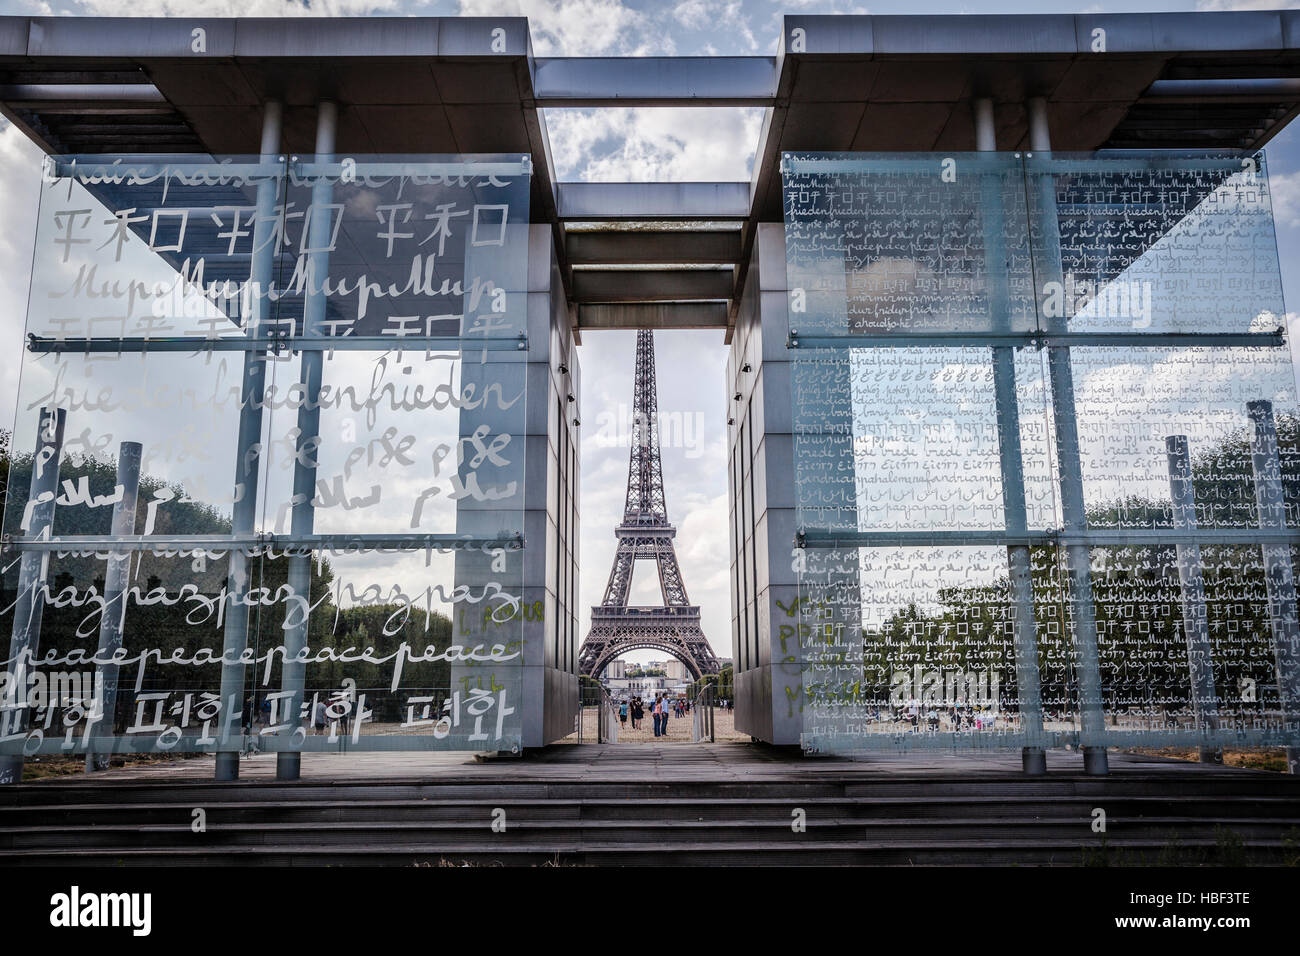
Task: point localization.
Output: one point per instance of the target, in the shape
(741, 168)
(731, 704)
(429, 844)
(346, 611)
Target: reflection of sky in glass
(924, 425)
(1213, 270)
(395, 468)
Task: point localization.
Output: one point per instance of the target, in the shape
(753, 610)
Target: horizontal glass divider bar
(98, 170)
(421, 738)
(956, 339)
(1047, 162)
(970, 740)
(410, 169)
(294, 343)
(977, 740)
(989, 162)
(259, 542)
(1101, 537)
(1038, 163)
(216, 172)
(414, 739)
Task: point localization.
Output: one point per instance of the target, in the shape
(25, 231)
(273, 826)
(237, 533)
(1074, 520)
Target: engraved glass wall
(266, 481)
(1061, 513)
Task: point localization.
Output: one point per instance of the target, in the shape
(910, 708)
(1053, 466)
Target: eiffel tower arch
(646, 535)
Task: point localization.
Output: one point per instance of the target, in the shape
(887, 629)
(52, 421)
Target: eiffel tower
(646, 534)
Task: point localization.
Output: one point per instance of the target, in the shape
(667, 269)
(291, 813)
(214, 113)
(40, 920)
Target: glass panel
(1129, 401)
(1151, 650)
(345, 340)
(937, 665)
(1105, 489)
(907, 243)
(1154, 242)
(926, 439)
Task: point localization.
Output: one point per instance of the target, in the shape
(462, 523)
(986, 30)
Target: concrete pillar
(1040, 137)
(766, 644)
(1278, 572)
(293, 672)
(117, 574)
(985, 128)
(1077, 558)
(248, 455)
(1028, 689)
(1182, 493)
(29, 604)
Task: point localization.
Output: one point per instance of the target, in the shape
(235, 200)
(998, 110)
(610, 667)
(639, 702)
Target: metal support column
(288, 764)
(1278, 571)
(117, 574)
(29, 602)
(1092, 721)
(1205, 703)
(1033, 758)
(248, 455)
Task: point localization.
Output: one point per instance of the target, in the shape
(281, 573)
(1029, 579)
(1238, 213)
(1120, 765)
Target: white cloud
(717, 15)
(234, 8)
(20, 172)
(577, 27)
(654, 145)
(1284, 192)
(1212, 5)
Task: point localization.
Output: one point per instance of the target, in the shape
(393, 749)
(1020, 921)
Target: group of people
(950, 717)
(660, 711)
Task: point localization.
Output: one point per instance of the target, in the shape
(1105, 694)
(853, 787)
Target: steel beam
(653, 315)
(655, 81)
(29, 600)
(653, 201)
(1191, 580)
(249, 453)
(650, 285)
(1007, 408)
(1089, 537)
(293, 671)
(113, 620)
(665, 247)
(1279, 575)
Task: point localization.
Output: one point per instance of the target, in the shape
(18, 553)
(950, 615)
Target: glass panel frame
(379, 419)
(1090, 554)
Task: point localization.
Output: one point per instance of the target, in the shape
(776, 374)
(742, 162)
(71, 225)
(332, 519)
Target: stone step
(1182, 815)
(1165, 830)
(775, 807)
(1206, 783)
(1135, 851)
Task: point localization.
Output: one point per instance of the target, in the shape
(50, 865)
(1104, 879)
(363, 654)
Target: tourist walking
(318, 716)
(622, 713)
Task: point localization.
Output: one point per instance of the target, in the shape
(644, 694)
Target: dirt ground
(1272, 758)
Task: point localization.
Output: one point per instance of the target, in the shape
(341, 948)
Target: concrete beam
(654, 201)
(653, 315)
(655, 81)
(667, 247)
(649, 285)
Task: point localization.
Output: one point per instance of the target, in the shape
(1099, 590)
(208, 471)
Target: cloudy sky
(609, 145)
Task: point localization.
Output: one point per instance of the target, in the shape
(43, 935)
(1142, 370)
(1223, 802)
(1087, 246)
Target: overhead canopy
(420, 85)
